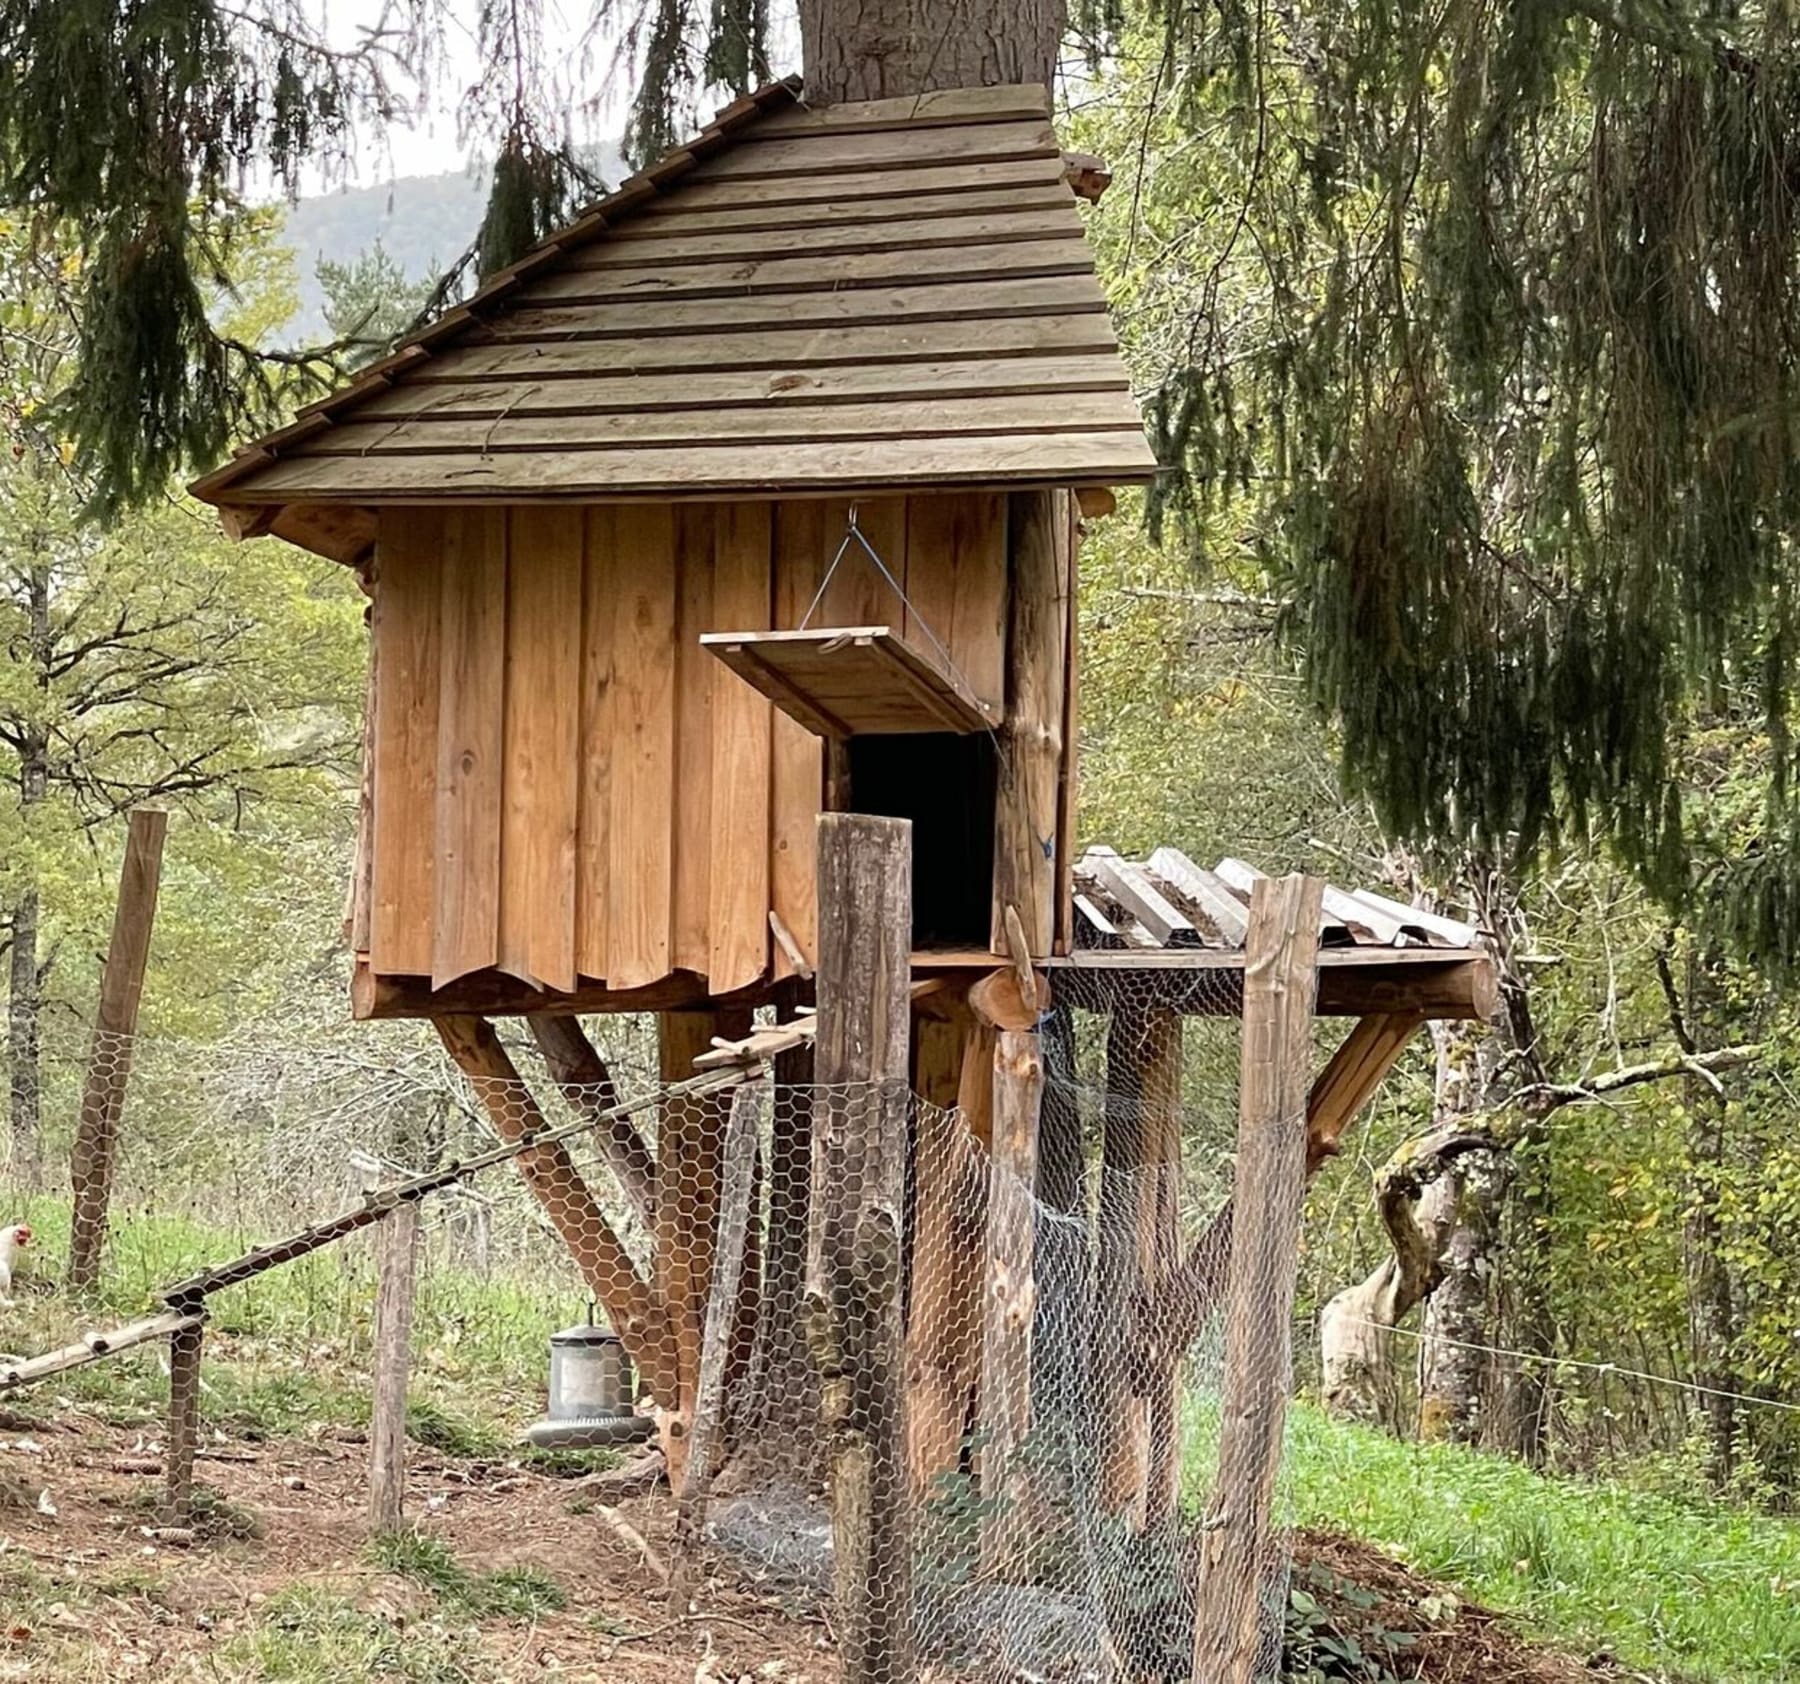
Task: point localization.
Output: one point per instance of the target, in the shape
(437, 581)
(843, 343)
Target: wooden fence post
(1269, 1188)
(96, 1149)
(184, 1423)
(854, 1267)
(397, 1237)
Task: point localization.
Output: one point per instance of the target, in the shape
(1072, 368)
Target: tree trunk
(1455, 1367)
(25, 999)
(886, 49)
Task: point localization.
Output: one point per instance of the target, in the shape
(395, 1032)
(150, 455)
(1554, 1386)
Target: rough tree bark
(25, 979)
(885, 49)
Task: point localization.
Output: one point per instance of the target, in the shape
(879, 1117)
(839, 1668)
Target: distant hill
(422, 221)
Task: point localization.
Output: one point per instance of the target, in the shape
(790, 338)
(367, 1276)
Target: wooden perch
(91, 1347)
(578, 1069)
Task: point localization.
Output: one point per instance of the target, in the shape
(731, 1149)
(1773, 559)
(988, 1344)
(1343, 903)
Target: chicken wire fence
(1055, 1410)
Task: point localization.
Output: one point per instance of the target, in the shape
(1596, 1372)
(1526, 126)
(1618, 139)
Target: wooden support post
(95, 1154)
(950, 1181)
(587, 1084)
(397, 1241)
(1010, 1296)
(1348, 1082)
(1028, 798)
(690, 1135)
(184, 1423)
(1269, 1188)
(722, 1308)
(636, 1314)
(854, 1270)
(1140, 1166)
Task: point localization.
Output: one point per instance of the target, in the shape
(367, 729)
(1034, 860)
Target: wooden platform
(853, 681)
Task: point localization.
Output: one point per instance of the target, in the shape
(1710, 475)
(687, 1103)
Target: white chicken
(13, 1240)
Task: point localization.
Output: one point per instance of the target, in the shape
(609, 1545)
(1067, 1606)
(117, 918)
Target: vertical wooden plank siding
(639, 846)
(956, 585)
(1069, 782)
(797, 770)
(695, 677)
(599, 609)
(737, 911)
(542, 745)
(471, 723)
(410, 544)
(858, 595)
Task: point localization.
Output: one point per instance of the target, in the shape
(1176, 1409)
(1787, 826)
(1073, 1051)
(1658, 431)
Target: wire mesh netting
(1024, 1332)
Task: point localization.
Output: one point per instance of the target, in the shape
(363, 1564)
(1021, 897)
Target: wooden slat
(983, 417)
(470, 765)
(557, 319)
(643, 748)
(996, 227)
(1069, 773)
(542, 735)
(766, 391)
(691, 871)
(737, 920)
(948, 106)
(956, 585)
(593, 851)
(680, 217)
(1109, 457)
(867, 186)
(406, 717)
(760, 349)
(797, 756)
(1067, 254)
(825, 153)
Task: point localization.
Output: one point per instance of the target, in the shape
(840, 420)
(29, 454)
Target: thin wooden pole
(854, 1267)
(1269, 1188)
(398, 1240)
(95, 1153)
(184, 1423)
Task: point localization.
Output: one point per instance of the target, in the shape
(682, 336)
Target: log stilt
(398, 1240)
(184, 1423)
(579, 1071)
(854, 1271)
(1268, 1191)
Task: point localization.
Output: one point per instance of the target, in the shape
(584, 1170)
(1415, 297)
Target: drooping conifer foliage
(1490, 312)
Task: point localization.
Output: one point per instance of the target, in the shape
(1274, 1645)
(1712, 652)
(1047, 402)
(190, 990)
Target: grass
(1697, 1590)
(518, 1593)
(312, 1636)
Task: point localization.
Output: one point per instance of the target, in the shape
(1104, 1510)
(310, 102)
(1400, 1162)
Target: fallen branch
(634, 1539)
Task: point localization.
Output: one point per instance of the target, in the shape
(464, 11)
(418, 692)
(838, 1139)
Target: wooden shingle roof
(864, 297)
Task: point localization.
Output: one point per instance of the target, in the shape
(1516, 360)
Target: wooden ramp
(853, 681)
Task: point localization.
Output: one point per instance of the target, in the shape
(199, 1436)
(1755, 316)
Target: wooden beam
(950, 1194)
(855, 1271)
(1027, 801)
(1349, 1081)
(93, 1346)
(580, 1072)
(636, 1314)
(491, 993)
(1009, 1301)
(1238, 1545)
(95, 1154)
(397, 1240)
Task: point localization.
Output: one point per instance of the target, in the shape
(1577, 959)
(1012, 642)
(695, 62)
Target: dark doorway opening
(946, 785)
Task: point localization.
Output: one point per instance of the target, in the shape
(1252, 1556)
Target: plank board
(794, 424)
(710, 244)
(758, 350)
(868, 185)
(847, 681)
(911, 112)
(406, 623)
(1105, 457)
(598, 636)
(956, 586)
(1056, 254)
(738, 901)
(558, 320)
(542, 754)
(471, 672)
(690, 935)
(797, 776)
(767, 391)
(681, 217)
(641, 796)
(825, 153)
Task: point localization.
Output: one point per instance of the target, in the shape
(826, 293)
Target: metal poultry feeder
(591, 1387)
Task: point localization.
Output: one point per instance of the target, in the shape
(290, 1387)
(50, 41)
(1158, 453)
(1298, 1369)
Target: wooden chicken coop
(751, 496)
